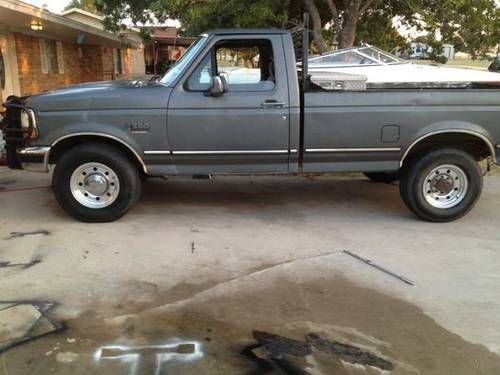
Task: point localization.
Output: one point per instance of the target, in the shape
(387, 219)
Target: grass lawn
(469, 63)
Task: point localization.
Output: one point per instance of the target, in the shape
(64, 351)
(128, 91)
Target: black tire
(418, 168)
(113, 158)
(386, 177)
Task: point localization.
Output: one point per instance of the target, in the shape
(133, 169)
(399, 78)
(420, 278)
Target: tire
(96, 183)
(441, 185)
(386, 177)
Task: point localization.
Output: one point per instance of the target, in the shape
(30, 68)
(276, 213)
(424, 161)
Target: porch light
(36, 25)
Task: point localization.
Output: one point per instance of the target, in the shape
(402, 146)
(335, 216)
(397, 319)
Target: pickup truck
(241, 101)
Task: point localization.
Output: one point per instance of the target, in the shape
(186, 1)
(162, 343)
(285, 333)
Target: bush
(441, 59)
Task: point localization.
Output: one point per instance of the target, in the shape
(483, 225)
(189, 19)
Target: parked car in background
(382, 67)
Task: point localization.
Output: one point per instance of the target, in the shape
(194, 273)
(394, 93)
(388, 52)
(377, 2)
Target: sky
(55, 6)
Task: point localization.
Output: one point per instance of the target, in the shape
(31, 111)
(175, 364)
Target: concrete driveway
(247, 275)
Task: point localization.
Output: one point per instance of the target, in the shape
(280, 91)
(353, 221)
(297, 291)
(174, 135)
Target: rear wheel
(386, 177)
(441, 185)
(96, 183)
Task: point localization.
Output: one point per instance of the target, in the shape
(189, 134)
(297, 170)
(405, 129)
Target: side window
(247, 65)
(200, 78)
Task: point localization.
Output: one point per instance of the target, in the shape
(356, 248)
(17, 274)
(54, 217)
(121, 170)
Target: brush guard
(14, 134)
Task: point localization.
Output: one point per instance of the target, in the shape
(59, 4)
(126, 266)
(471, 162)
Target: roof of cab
(245, 31)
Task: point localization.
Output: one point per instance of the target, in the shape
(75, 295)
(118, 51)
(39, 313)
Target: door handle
(272, 104)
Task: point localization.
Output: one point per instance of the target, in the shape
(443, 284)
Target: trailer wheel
(96, 183)
(386, 177)
(441, 185)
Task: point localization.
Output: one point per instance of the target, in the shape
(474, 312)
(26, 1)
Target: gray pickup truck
(238, 102)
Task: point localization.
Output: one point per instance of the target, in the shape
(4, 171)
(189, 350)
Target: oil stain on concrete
(326, 326)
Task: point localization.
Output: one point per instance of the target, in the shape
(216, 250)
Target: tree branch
(333, 9)
(366, 5)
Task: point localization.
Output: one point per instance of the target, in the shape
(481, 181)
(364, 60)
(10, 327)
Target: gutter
(32, 11)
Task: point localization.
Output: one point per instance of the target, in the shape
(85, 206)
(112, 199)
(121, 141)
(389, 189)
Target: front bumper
(33, 159)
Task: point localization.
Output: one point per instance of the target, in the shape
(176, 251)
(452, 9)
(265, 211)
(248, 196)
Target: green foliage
(234, 13)
(376, 28)
(88, 5)
(473, 26)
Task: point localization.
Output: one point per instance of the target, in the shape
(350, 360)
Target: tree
(88, 5)
(197, 15)
(342, 15)
(377, 29)
(472, 25)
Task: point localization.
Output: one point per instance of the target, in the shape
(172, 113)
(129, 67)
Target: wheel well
(473, 144)
(62, 146)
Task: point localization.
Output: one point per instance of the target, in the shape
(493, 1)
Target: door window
(247, 65)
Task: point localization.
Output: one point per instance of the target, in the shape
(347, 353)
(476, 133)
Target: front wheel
(96, 183)
(441, 185)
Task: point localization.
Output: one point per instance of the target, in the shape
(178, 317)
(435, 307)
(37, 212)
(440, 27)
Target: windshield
(356, 56)
(379, 55)
(181, 64)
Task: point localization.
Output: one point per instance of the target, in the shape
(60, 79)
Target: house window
(118, 60)
(51, 56)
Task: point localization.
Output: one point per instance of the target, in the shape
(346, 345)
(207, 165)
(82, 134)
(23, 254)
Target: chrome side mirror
(218, 86)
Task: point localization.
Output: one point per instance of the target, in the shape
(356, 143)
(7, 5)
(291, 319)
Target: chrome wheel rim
(445, 186)
(94, 185)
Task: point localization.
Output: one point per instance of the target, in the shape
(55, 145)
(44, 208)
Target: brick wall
(31, 78)
(91, 64)
(85, 63)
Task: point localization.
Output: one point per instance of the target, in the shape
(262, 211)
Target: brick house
(164, 48)
(40, 50)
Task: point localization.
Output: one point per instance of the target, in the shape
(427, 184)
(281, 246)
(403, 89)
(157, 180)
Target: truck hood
(102, 95)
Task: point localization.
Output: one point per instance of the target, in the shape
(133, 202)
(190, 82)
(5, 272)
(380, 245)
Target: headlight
(28, 122)
(25, 120)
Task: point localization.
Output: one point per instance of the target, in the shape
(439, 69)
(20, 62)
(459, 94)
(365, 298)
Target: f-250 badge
(138, 127)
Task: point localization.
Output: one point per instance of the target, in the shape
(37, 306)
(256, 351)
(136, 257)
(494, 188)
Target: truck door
(246, 130)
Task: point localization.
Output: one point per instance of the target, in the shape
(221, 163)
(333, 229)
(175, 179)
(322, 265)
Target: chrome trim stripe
(471, 132)
(139, 158)
(157, 152)
(230, 152)
(361, 149)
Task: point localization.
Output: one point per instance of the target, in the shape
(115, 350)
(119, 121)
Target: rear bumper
(33, 159)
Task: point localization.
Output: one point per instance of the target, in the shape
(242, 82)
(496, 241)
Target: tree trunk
(351, 16)
(336, 23)
(317, 26)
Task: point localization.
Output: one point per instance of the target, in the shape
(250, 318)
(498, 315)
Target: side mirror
(218, 86)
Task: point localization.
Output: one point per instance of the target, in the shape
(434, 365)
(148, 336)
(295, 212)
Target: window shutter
(60, 57)
(43, 56)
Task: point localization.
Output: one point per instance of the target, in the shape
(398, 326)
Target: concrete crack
(252, 273)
